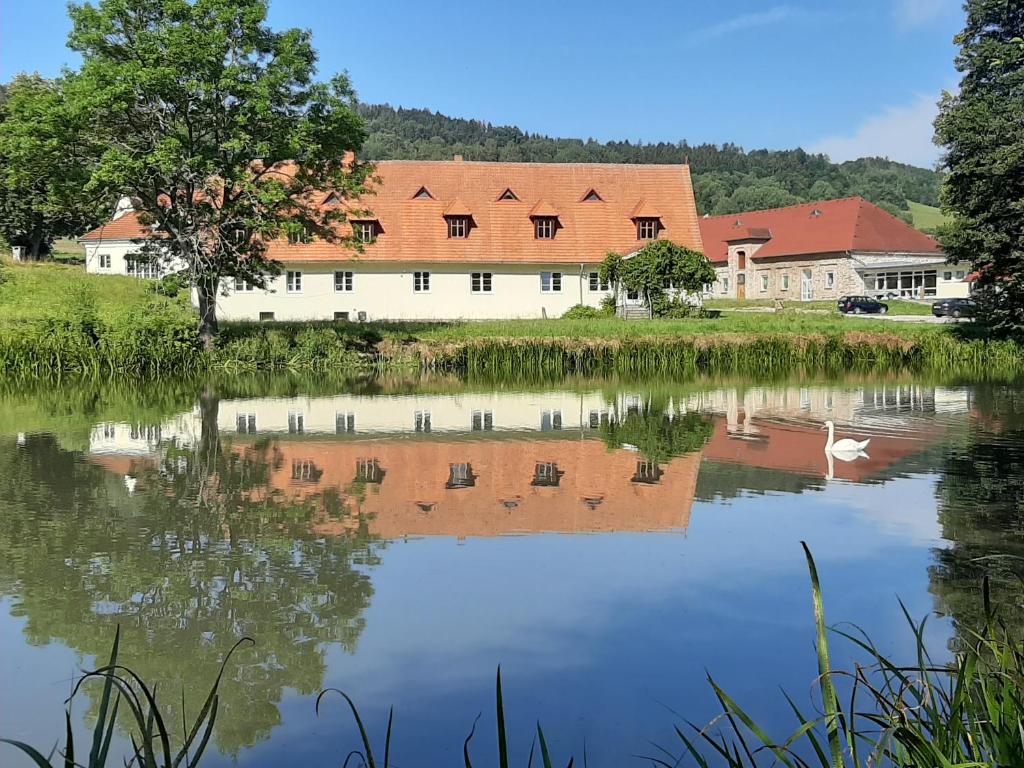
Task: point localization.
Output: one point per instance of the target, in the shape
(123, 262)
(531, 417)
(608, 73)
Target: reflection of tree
(204, 552)
(981, 509)
(659, 433)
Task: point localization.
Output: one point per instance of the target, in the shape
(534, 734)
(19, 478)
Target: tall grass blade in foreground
(150, 738)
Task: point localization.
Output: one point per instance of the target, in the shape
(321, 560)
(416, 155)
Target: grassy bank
(58, 321)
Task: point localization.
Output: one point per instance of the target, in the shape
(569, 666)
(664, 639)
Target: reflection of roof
(120, 464)
(492, 488)
(829, 226)
(800, 449)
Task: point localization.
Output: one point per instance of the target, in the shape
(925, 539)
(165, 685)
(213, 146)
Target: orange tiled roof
(829, 226)
(415, 230)
(645, 210)
(127, 227)
(543, 210)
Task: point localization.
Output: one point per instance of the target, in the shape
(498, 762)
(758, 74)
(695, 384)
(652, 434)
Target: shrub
(583, 312)
(170, 286)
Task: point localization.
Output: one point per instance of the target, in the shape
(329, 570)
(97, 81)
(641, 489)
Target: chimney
(457, 158)
(124, 205)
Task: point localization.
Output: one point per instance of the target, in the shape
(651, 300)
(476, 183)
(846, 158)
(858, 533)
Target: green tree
(981, 129)
(214, 122)
(43, 166)
(658, 267)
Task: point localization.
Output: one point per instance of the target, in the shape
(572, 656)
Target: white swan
(845, 447)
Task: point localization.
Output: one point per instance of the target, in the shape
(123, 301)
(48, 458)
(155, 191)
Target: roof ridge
(529, 164)
(787, 207)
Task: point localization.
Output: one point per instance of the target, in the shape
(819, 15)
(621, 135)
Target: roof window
(423, 194)
(592, 197)
(508, 194)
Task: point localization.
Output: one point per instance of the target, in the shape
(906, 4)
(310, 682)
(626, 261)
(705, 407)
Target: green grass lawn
(609, 328)
(896, 306)
(35, 291)
(926, 217)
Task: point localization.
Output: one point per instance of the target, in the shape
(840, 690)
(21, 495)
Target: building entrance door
(806, 286)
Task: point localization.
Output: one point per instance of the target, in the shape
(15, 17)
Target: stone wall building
(825, 250)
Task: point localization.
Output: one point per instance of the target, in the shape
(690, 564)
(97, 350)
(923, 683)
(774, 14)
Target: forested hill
(726, 178)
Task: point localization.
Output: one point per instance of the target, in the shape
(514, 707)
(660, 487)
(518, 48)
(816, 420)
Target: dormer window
(365, 231)
(592, 197)
(544, 227)
(298, 236)
(508, 194)
(647, 228)
(423, 194)
(458, 227)
(332, 199)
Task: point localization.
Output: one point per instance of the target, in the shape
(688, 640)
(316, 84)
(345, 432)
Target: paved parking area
(909, 318)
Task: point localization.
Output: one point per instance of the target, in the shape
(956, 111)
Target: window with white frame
(481, 282)
(597, 284)
(344, 423)
(294, 281)
(298, 236)
(421, 421)
(245, 423)
(551, 282)
(947, 276)
(141, 268)
(960, 274)
(421, 282)
(764, 282)
(343, 282)
(296, 422)
(647, 229)
(365, 231)
(544, 227)
(830, 279)
(458, 227)
(104, 260)
(785, 282)
(598, 418)
(482, 421)
(725, 285)
(243, 286)
(550, 421)
(546, 474)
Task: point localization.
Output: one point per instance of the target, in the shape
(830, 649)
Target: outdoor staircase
(635, 313)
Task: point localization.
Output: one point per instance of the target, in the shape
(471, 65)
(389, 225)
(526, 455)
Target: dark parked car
(862, 305)
(955, 308)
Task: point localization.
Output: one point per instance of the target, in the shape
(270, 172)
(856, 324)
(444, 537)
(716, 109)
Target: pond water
(608, 544)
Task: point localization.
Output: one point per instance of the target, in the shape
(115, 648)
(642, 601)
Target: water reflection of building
(479, 464)
(468, 487)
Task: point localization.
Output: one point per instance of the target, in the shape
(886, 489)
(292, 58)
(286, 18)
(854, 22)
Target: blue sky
(845, 77)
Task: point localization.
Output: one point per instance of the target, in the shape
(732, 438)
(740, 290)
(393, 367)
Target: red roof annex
(829, 226)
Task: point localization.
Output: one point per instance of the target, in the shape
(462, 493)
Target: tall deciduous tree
(214, 122)
(983, 133)
(43, 166)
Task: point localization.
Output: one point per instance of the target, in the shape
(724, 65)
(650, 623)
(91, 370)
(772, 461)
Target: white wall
(385, 292)
(117, 249)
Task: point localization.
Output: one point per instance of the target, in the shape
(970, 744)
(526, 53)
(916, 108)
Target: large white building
(455, 240)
